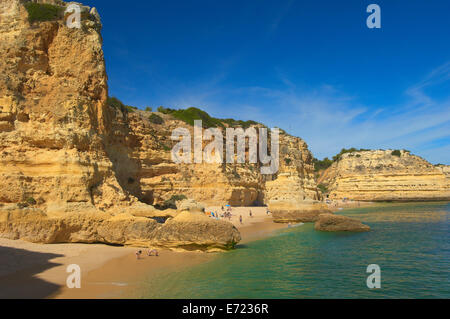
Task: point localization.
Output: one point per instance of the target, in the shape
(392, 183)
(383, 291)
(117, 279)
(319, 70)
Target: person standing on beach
(240, 219)
(251, 215)
(138, 254)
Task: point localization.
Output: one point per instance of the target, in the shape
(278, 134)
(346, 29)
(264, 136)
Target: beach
(39, 271)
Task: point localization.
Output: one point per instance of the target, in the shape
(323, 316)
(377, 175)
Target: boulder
(195, 231)
(34, 225)
(187, 231)
(305, 212)
(334, 223)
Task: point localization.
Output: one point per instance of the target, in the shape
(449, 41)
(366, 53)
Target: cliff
(386, 176)
(157, 178)
(75, 168)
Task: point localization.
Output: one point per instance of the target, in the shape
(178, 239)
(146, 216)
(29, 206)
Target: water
(410, 243)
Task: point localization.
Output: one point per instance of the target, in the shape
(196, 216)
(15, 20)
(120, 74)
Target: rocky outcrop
(86, 171)
(69, 157)
(386, 176)
(157, 178)
(335, 223)
(305, 212)
(293, 195)
(53, 115)
(36, 226)
(185, 231)
(195, 230)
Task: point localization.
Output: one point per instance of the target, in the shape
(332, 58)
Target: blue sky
(312, 68)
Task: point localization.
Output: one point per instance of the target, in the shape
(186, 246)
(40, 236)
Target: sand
(39, 271)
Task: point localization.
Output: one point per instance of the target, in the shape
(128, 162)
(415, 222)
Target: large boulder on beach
(34, 225)
(303, 212)
(195, 231)
(187, 231)
(335, 223)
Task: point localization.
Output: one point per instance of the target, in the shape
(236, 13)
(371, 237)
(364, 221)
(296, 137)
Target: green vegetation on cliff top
(326, 162)
(38, 12)
(191, 114)
(117, 104)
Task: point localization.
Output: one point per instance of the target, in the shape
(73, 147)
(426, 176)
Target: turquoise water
(410, 243)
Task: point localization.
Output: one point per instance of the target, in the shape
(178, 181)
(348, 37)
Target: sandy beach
(39, 271)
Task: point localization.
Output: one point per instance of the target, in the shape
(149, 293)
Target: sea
(409, 244)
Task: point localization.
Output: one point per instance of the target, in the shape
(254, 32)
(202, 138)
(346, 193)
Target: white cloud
(328, 119)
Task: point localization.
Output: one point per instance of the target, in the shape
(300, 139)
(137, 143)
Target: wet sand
(39, 271)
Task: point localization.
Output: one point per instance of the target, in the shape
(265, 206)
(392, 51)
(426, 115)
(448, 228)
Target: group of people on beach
(227, 212)
(150, 252)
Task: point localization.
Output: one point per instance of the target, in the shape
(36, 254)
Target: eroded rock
(386, 175)
(303, 212)
(335, 223)
(186, 231)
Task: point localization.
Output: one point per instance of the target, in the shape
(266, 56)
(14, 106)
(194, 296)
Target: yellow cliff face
(154, 178)
(382, 176)
(70, 164)
(52, 98)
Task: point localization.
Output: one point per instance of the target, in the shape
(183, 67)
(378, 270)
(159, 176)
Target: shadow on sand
(24, 283)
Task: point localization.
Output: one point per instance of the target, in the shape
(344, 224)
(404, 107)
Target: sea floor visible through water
(409, 242)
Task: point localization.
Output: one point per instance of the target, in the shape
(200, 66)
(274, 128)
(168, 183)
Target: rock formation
(304, 212)
(334, 223)
(186, 231)
(157, 178)
(386, 176)
(73, 168)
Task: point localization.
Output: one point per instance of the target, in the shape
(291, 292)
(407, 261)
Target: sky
(313, 68)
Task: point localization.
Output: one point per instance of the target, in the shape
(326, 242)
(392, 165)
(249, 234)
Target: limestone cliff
(156, 178)
(85, 171)
(386, 176)
(53, 89)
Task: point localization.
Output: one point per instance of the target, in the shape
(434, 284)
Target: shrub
(164, 110)
(156, 119)
(165, 147)
(288, 161)
(148, 109)
(43, 12)
(239, 123)
(323, 188)
(191, 114)
(31, 201)
(322, 164)
(396, 153)
(338, 157)
(130, 108)
(117, 104)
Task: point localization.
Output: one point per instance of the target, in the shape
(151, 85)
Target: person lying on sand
(150, 252)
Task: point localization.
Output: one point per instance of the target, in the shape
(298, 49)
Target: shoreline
(108, 281)
(39, 271)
